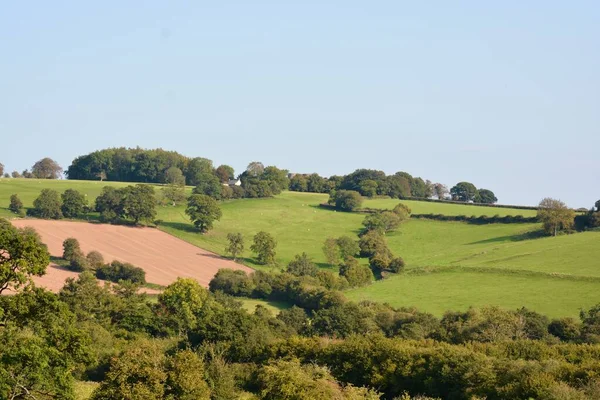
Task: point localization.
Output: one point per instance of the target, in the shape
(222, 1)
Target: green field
(424, 207)
(497, 264)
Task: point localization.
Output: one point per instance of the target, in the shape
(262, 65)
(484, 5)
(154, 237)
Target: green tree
(298, 183)
(46, 168)
(355, 274)
(264, 246)
(109, 204)
(209, 185)
(185, 377)
(385, 221)
(23, 256)
(331, 251)
(485, 196)
(1, 169)
(175, 194)
(371, 243)
(597, 204)
(73, 203)
(396, 265)
(138, 373)
(463, 191)
(236, 244)
(197, 169)
(255, 168)
(555, 216)
(71, 249)
(95, 259)
(174, 176)
(402, 211)
(47, 205)
(368, 188)
(302, 265)
(316, 184)
(15, 174)
(224, 173)
(16, 205)
(203, 210)
(139, 203)
(346, 200)
(348, 247)
(181, 301)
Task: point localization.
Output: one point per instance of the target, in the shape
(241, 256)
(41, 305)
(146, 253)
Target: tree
(181, 301)
(236, 244)
(368, 188)
(71, 249)
(209, 185)
(47, 205)
(298, 183)
(46, 168)
(109, 203)
(463, 191)
(402, 211)
(1, 169)
(371, 243)
(331, 251)
(597, 205)
(174, 176)
(15, 174)
(23, 255)
(73, 203)
(203, 210)
(255, 168)
(555, 216)
(316, 184)
(174, 193)
(355, 274)
(348, 247)
(485, 196)
(26, 174)
(224, 173)
(16, 205)
(138, 203)
(264, 246)
(440, 191)
(346, 200)
(302, 265)
(95, 259)
(396, 265)
(385, 221)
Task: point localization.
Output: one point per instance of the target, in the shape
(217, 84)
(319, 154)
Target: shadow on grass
(180, 226)
(514, 238)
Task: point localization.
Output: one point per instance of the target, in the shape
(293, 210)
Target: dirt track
(162, 256)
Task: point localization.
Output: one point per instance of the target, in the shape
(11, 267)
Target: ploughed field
(162, 256)
(450, 265)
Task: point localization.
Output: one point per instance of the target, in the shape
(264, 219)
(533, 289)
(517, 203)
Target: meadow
(509, 265)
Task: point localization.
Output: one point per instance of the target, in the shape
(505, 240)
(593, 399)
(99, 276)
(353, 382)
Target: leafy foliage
(203, 210)
(47, 205)
(264, 246)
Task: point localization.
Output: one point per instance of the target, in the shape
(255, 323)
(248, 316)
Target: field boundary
(500, 271)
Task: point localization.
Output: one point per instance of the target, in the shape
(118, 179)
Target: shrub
(16, 205)
(380, 260)
(302, 265)
(396, 265)
(346, 200)
(117, 271)
(95, 259)
(355, 274)
(371, 243)
(79, 263)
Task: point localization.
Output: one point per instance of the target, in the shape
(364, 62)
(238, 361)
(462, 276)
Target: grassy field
(83, 390)
(487, 264)
(273, 306)
(424, 207)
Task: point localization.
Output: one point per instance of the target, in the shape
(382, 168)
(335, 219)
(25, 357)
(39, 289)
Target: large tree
(74, 203)
(46, 168)
(485, 196)
(555, 216)
(346, 200)
(236, 244)
(203, 210)
(440, 190)
(463, 191)
(264, 246)
(224, 173)
(174, 176)
(47, 205)
(22, 256)
(139, 203)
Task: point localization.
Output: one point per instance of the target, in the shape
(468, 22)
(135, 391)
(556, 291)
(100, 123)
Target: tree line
(193, 343)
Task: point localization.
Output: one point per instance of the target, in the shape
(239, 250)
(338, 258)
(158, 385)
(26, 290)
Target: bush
(371, 243)
(355, 274)
(396, 265)
(117, 271)
(380, 260)
(302, 265)
(79, 263)
(73, 203)
(346, 200)
(16, 205)
(95, 259)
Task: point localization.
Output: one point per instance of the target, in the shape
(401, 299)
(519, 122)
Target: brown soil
(162, 256)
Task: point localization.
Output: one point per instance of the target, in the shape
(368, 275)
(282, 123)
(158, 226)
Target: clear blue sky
(503, 94)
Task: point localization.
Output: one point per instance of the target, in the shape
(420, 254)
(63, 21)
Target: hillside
(500, 264)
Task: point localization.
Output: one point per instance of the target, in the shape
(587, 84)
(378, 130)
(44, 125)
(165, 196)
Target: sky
(502, 94)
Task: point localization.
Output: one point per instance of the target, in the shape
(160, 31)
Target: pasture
(508, 265)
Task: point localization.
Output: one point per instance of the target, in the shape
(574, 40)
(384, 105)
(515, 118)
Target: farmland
(499, 264)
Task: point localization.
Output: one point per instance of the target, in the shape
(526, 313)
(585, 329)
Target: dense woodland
(194, 343)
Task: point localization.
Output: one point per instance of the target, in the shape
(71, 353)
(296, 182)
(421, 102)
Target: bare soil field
(162, 256)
